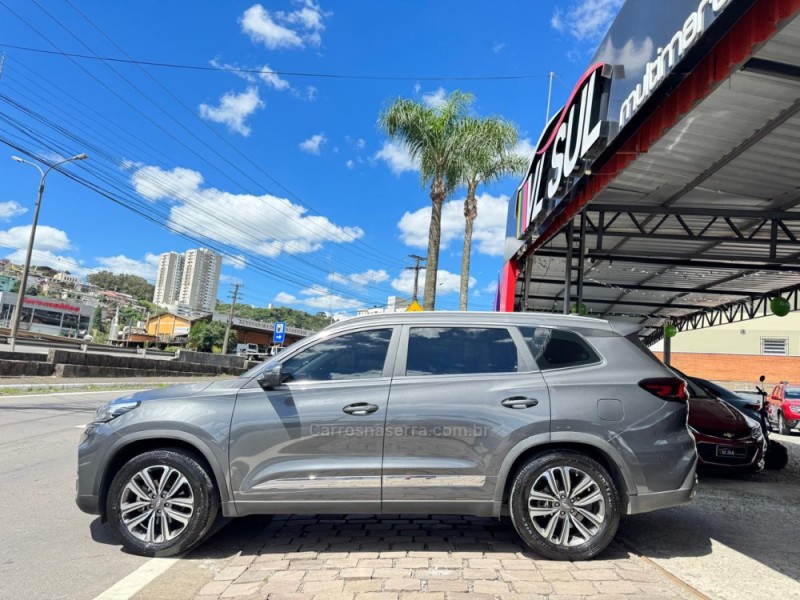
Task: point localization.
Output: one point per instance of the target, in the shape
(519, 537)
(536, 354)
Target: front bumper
(92, 453)
(642, 503)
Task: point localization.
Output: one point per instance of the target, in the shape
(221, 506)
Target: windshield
(718, 390)
(792, 393)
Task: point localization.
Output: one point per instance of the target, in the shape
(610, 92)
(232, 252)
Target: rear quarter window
(558, 348)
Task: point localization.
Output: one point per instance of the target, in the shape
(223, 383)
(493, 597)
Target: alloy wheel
(566, 506)
(157, 504)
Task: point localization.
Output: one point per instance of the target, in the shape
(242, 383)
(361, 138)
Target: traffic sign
(280, 333)
(414, 307)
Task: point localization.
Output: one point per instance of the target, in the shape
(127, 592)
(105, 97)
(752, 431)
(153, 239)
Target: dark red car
(784, 407)
(725, 438)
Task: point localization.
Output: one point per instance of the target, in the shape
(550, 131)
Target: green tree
(204, 335)
(97, 320)
(489, 157)
(32, 291)
(136, 286)
(291, 316)
(436, 138)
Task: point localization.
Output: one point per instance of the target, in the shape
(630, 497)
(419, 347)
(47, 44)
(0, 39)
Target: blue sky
(288, 174)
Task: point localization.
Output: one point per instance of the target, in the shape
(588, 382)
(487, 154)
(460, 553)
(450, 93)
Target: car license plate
(732, 451)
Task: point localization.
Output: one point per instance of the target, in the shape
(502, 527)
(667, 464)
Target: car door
(775, 401)
(314, 443)
(462, 396)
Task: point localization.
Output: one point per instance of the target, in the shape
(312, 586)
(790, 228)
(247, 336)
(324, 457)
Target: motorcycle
(777, 455)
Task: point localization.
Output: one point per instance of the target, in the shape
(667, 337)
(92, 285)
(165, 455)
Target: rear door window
(558, 348)
(460, 351)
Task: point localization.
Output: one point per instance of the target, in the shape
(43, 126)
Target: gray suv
(560, 422)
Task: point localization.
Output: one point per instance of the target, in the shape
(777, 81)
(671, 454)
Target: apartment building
(189, 280)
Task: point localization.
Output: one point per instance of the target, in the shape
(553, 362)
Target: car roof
(487, 318)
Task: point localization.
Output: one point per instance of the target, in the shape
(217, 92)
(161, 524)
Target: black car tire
(783, 428)
(204, 495)
(520, 507)
(777, 456)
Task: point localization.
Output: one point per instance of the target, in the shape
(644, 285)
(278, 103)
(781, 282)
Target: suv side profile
(560, 422)
(784, 407)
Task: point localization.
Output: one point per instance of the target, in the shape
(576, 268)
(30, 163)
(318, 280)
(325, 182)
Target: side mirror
(271, 378)
(762, 379)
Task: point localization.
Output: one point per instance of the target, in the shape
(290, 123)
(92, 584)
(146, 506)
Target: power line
(168, 65)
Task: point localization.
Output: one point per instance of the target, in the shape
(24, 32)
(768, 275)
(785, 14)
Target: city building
(393, 304)
(47, 315)
(187, 283)
(8, 282)
(66, 278)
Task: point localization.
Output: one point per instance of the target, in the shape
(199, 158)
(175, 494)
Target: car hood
(185, 390)
(715, 416)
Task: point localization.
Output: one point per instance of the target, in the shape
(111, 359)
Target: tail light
(666, 388)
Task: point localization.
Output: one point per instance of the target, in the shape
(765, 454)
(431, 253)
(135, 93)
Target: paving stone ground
(402, 557)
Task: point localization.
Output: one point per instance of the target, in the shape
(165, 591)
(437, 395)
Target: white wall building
(393, 304)
(190, 280)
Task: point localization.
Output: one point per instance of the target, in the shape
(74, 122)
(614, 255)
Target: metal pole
(230, 320)
(581, 257)
(549, 96)
(667, 350)
(23, 282)
(568, 267)
(416, 269)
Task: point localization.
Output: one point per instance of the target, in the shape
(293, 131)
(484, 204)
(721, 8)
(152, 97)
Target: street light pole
(23, 282)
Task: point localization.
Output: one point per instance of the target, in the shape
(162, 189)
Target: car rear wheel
(162, 503)
(565, 506)
(783, 428)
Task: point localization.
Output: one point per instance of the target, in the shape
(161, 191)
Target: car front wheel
(162, 503)
(565, 506)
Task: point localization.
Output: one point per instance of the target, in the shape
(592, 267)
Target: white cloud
(285, 298)
(278, 30)
(11, 209)
(490, 288)
(272, 79)
(218, 64)
(498, 47)
(238, 261)
(230, 279)
(47, 238)
(233, 110)
(146, 267)
(586, 20)
(397, 157)
(311, 93)
(435, 99)
(488, 234)
(313, 144)
(46, 258)
(265, 225)
(350, 164)
(361, 143)
(322, 298)
(359, 279)
(446, 282)
(524, 147)
(417, 88)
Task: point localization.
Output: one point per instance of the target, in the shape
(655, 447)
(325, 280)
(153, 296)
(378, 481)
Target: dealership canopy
(667, 190)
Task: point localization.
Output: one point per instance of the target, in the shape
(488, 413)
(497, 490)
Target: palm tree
(488, 158)
(436, 139)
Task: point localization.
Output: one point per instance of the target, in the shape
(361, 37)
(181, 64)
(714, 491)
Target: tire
(586, 537)
(777, 456)
(783, 428)
(189, 501)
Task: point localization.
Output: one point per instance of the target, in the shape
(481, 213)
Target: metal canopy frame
(707, 238)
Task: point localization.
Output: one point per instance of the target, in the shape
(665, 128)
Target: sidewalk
(399, 557)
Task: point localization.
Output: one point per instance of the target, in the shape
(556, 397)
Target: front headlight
(756, 431)
(112, 410)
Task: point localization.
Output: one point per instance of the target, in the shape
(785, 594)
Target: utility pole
(230, 318)
(416, 269)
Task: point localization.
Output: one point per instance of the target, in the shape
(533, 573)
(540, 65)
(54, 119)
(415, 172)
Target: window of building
(460, 350)
(558, 348)
(775, 346)
(356, 355)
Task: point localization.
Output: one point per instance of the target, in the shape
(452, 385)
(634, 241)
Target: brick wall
(737, 367)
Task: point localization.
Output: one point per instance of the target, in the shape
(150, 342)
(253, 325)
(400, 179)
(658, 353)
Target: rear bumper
(642, 503)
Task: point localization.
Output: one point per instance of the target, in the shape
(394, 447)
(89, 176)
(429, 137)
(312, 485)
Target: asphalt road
(47, 550)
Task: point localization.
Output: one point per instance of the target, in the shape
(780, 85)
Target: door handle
(359, 409)
(519, 402)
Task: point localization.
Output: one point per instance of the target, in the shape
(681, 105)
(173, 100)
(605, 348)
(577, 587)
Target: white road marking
(129, 586)
(80, 426)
